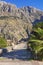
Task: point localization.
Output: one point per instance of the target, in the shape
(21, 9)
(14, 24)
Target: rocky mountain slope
(16, 23)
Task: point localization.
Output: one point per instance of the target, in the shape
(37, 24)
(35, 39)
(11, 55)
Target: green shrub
(36, 40)
(3, 42)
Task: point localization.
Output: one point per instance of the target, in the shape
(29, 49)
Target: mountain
(16, 23)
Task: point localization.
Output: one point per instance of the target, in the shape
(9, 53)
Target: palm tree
(36, 40)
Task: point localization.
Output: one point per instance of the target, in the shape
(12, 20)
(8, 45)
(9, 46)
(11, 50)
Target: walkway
(20, 63)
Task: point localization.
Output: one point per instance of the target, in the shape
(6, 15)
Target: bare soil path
(20, 62)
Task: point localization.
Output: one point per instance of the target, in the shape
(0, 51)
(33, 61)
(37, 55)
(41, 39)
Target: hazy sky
(20, 3)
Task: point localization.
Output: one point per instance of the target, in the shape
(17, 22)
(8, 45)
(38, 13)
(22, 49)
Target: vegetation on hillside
(36, 41)
(3, 42)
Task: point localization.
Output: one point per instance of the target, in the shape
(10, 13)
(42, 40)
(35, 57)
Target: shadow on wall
(18, 54)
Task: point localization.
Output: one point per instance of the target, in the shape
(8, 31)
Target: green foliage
(36, 39)
(3, 42)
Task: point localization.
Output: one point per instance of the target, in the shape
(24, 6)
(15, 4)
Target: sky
(20, 3)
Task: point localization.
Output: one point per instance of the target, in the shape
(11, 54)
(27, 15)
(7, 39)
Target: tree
(36, 40)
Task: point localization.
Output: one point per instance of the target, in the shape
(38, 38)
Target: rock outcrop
(16, 23)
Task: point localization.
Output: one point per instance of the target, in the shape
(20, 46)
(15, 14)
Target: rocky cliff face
(16, 23)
